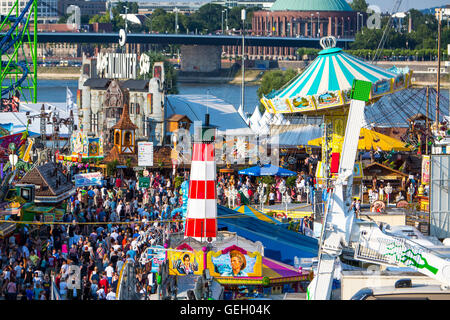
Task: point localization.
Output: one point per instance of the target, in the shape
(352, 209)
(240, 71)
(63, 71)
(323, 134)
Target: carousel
(323, 90)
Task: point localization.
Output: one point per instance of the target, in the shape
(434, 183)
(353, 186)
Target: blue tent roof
(279, 243)
(267, 170)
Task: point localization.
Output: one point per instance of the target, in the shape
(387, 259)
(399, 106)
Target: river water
(55, 91)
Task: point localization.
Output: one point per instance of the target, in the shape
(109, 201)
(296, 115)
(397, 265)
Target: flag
(69, 101)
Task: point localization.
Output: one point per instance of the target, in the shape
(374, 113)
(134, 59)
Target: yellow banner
(184, 263)
(234, 262)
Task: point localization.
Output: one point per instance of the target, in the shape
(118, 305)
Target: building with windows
(47, 10)
(87, 8)
(301, 18)
(263, 4)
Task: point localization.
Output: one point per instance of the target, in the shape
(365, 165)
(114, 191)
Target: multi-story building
(87, 8)
(100, 101)
(263, 4)
(301, 18)
(47, 10)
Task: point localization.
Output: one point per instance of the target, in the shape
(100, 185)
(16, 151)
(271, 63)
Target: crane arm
(339, 218)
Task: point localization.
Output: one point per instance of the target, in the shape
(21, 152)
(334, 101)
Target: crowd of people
(100, 231)
(301, 191)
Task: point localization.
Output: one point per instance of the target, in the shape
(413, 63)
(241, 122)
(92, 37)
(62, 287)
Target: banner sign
(426, 169)
(145, 154)
(79, 143)
(156, 255)
(144, 182)
(184, 263)
(117, 65)
(95, 147)
(88, 179)
(234, 262)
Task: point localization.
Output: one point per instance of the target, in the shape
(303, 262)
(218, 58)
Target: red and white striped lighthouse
(201, 217)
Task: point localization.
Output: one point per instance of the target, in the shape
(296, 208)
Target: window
(128, 139)
(117, 138)
(94, 123)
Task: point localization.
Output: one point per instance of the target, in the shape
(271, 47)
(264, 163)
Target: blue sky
(387, 5)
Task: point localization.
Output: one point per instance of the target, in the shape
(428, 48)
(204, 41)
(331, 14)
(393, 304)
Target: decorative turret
(124, 133)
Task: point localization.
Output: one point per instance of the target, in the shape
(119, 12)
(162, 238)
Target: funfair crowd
(101, 230)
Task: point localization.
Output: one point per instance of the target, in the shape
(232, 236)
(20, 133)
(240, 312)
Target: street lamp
(362, 23)
(126, 19)
(318, 24)
(176, 19)
(226, 19)
(357, 22)
(243, 16)
(222, 20)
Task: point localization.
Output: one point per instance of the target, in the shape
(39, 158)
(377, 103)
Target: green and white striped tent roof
(333, 70)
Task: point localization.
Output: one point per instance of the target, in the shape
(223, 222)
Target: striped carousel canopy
(328, 80)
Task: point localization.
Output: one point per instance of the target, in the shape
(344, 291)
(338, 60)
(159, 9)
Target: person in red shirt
(118, 182)
(104, 282)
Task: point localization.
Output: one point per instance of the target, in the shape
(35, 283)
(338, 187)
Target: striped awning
(327, 82)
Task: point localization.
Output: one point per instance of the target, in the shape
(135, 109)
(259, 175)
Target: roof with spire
(125, 122)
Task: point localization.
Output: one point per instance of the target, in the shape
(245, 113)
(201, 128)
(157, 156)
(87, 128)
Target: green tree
(234, 17)
(210, 15)
(63, 18)
(163, 22)
(290, 181)
(169, 71)
(274, 80)
(359, 5)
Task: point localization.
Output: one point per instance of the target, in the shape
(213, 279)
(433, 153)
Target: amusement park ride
(370, 243)
(18, 50)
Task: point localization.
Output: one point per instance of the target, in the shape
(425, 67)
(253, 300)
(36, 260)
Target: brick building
(300, 18)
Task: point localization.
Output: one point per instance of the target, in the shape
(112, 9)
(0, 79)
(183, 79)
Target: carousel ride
(322, 91)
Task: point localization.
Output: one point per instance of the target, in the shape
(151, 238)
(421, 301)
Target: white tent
(241, 113)
(255, 118)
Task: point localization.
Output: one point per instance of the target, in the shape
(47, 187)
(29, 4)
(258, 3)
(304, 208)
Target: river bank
(59, 73)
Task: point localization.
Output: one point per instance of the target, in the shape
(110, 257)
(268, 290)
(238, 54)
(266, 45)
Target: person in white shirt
(101, 294)
(116, 246)
(119, 208)
(111, 296)
(109, 272)
(114, 235)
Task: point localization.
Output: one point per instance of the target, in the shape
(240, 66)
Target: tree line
(207, 19)
(384, 54)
